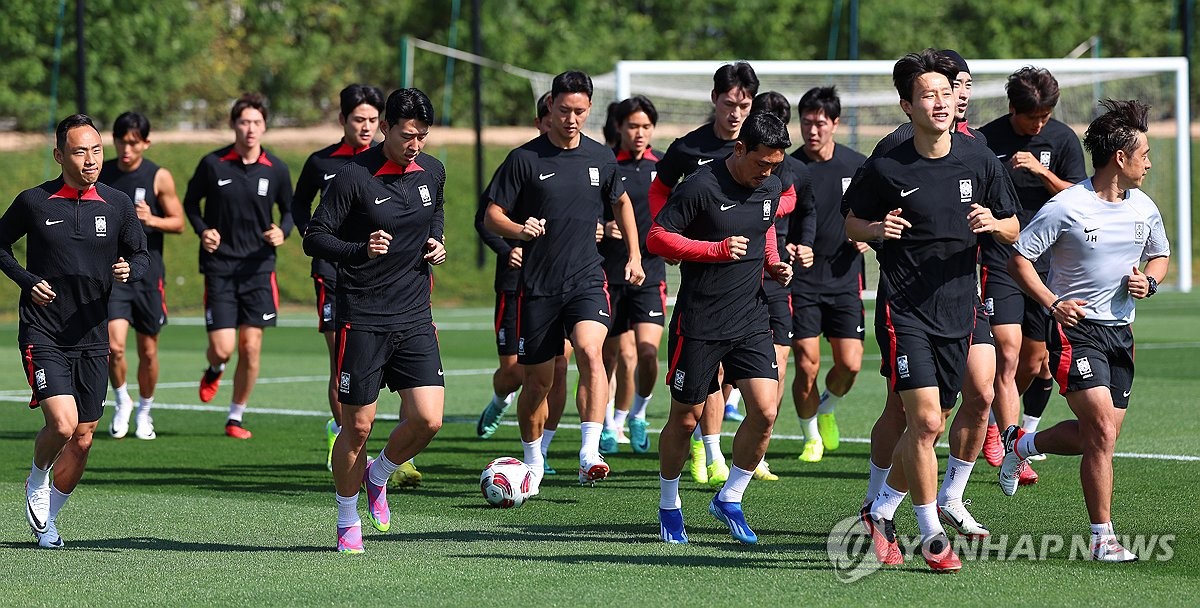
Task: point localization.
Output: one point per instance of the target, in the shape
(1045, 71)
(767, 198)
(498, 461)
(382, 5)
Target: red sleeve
(772, 251)
(787, 202)
(675, 246)
(659, 192)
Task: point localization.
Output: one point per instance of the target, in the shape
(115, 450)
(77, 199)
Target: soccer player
(81, 236)
(142, 304)
(381, 220)
(360, 108)
(631, 350)
(721, 223)
(1098, 233)
(734, 88)
(826, 299)
(555, 187)
(926, 199)
(238, 237)
(1044, 158)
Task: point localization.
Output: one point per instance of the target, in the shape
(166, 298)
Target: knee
(1100, 436)
(83, 439)
(116, 352)
(589, 355)
(427, 427)
(537, 384)
(647, 354)
(927, 428)
(357, 431)
(148, 351)
(849, 368)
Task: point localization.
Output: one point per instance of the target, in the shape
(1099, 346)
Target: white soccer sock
(639, 406)
(1029, 423)
(608, 414)
(712, 449)
(219, 368)
(992, 417)
(887, 502)
(955, 482)
(509, 398)
(619, 419)
(381, 470)
(1025, 445)
(828, 401)
(499, 402)
(236, 410)
(589, 446)
(735, 486)
(696, 436)
(544, 442)
(144, 405)
(38, 478)
(122, 393)
(347, 507)
(533, 456)
(927, 521)
(1103, 529)
(735, 397)
(876, 481)
(809, 426)
(57, 500)
(337, 428)
(668, 493)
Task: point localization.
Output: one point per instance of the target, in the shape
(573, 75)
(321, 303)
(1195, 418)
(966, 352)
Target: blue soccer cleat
(730, 514)
(670, 526)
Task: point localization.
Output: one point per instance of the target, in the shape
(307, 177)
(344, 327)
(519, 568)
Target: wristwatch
(1152, 286)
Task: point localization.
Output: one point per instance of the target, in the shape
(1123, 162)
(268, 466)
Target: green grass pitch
(195, 518)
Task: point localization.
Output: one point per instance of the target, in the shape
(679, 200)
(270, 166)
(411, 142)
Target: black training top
(320, 167)
(238, 199)
(1057, 147)
(369, 193)
(690, 152)
(506, 277)
(139, 186)
(801, 222)
(928, 275)
(636, 174)
(837, 264)
(721, 300)
(73, 239)
(569, 189)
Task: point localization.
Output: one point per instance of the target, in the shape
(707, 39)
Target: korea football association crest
(39, 379)
(101, 225)
(594, 176)
(426, 199)
(1045, 158)
(902, 366)
(344, 383)
(1139, 233)
(677, 382)
(1084, 366)
(965, 191)
(501, 338)
(264, 185)
(846, 183)
(767, 210)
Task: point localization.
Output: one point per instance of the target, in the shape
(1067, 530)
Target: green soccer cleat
(489, 420)
(828, 429)
(718, 472)
(330, 437)
(813, 451)
(699, 471)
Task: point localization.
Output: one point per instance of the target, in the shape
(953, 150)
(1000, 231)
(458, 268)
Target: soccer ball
(505, 482)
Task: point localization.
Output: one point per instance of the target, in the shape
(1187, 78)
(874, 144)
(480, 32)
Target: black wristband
(1152, 286)
(1056, 303)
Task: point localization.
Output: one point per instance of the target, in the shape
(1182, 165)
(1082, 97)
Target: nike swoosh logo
(655, 313)
(904, 193)
(441, 373)
(1001, 156)
(380, 201)
(728, 207)
(38, 524)
(1126, 393)
(859, 329)
(224, 182)
(329, 176)
(1088, 230)
(774, 366)
(269, 316)
(51, 223)
(545, 176)
(705, 161)
(603, 314)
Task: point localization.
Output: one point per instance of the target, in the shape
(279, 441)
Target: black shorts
(1006, 304)
(143, 304)
(369, 360)
(506, 323)
(692, 374)
(543, 322)
(835, 315)
(982, 333)
(233, 301)
(1090, 355)
(914, 359)
(83, 375)
(326, 288)
(633, 304)
(779, 306)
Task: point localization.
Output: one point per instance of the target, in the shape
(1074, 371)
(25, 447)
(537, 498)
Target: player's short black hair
(765, 129)
(543, 105)
(735, 75)
(248, 100)
(775, 103)
(408, 104)
(612, 134)
(914, 65)
(68, 123)
(357, 94)
(131, 121)
(824, 99)
(1030, 89)
(571, 81)
(1115, 129)
(628, 107)
(958, 60)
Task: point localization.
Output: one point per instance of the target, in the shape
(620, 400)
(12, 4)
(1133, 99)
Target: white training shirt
(1094, 244)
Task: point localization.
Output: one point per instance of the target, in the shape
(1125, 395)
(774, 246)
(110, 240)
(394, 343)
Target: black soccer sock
(1037, 396)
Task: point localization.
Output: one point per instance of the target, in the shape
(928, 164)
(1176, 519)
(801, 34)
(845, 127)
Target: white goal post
(681, 90)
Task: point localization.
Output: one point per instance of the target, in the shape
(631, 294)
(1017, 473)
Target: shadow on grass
(144, 543)
(277, 479)
(624, 559)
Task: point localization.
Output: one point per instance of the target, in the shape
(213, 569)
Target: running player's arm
(1069, 168)
(172, 217)
(489, 238)
(1039, 235)
(669, 169)
(322, 239)
(435, 245)
(14, 225)
(284, 201)
(998, 213)
(506, 189)
(666, 239)
(307, 185)
(867, 218)
(622, 208)
(1156, 255)
(132, 246)
(197, 189)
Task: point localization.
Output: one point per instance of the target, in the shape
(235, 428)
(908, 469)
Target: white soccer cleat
(119, 426)
(955, 515)
(1105, 548)
(145, 427)
(1012, 465)
(37, 506)
(591, 470)
(50, 538)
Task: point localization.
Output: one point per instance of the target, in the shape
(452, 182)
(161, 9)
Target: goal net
(681, 93)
